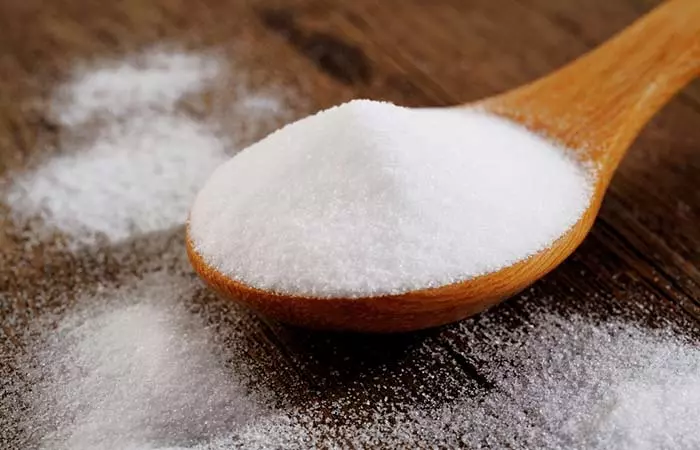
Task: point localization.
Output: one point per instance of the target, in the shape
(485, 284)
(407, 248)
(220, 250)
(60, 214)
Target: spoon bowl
(595, 106)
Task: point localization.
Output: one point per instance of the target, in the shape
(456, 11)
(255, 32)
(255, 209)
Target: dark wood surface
(641, 260)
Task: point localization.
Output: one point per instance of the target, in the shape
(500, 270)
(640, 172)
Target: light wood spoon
(595, 106)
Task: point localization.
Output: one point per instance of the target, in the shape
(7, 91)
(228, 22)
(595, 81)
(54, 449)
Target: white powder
(142, 170)
(153, 79)
(369, 198)
(596, 386)
(659, 409)
(559, 385)
(133, 368)
(137, 177)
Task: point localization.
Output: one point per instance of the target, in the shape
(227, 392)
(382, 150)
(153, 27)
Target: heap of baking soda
(370, 198)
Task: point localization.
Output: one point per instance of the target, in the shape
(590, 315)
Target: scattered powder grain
(133, 368)
(138, 176)
(153, 79)
(561, 384)
(369, 198)
(140, 170)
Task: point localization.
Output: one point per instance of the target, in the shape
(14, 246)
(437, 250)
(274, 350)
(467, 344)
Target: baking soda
(134, 367)
(137, 177)
(369, 198)
(138, 168)
(557, 384)
(155, 79)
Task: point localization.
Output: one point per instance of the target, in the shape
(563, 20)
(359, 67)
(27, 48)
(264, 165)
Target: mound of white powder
(369, 198)
(132, 367)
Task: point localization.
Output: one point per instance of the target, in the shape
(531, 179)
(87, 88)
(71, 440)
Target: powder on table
(137, 177)
(369, 198)
(561, 384)
(155, 78)
(141, 171)
(134, 368)
(139, 368)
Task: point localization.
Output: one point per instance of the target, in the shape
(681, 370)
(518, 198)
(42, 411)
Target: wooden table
(641, 260)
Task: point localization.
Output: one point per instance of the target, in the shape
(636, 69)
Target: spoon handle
(598, 103)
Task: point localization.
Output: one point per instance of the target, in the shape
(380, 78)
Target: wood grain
(640, 262)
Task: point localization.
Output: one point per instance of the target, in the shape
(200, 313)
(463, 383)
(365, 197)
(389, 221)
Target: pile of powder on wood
(135, 368)
(155, 79)
(137, 177)
(138, 167)
(369, 198)
(132, 367)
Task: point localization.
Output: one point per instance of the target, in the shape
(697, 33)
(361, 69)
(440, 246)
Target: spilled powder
(153, 79)
(141, 372)
(136, 368)
(138, 176)
(137, 169)
(562, 384)
(369, 198)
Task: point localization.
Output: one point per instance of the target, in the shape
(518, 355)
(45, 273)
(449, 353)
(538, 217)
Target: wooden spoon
(596, 106)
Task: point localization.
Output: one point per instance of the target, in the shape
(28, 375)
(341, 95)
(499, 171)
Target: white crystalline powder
(561, 385)
(155, 363)
(156, 78)
(143, 373)
(652, 413)
(137, 177)
(577, 384)
(369, 198)
(143, 169)
(143, 367)
(132, 368)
